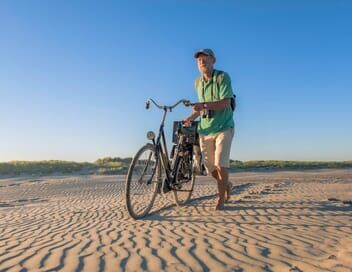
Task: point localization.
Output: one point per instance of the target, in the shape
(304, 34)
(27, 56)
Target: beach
(275, 221)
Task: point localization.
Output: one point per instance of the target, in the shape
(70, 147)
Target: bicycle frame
(161, 151)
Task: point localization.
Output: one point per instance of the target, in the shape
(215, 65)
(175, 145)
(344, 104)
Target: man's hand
(187, 122)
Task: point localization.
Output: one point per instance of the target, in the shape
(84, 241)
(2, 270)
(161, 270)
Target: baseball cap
(207, 52)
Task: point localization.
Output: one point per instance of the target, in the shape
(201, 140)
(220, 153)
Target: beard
(205, 69)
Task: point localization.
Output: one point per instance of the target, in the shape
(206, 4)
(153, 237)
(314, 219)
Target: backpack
(219, 78)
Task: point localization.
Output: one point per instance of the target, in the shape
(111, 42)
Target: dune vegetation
(108, 166)
(45, 167)
(287, 165)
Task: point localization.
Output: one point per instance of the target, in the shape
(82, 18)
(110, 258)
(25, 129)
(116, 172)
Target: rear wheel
(185, 178)
(141, 182)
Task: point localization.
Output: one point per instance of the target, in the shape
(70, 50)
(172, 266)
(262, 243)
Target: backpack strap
(219, 79)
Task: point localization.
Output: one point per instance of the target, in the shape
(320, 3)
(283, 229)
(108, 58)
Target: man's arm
(217, 105)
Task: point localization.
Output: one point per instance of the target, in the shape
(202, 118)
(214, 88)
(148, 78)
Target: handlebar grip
(187, 103)
(147, 104)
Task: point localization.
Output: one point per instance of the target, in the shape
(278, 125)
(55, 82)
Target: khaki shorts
(216, 149)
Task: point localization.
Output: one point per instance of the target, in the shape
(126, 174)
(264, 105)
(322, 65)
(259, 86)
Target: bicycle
(151, 172)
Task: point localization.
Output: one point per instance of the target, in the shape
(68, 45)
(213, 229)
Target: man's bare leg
(215, 174)
(228, 190)
(221, 175)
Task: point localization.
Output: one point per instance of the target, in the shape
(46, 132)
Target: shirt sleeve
(225, 87)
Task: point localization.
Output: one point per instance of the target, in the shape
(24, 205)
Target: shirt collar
(211, 80)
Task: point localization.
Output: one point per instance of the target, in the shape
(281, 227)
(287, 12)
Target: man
(216, 126)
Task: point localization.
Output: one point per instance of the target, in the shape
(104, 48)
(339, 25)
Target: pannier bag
(190, 132)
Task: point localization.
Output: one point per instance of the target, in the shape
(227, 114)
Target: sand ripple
(274, 222)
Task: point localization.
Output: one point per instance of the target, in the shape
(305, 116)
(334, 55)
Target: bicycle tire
(141, 184)
(182, 197)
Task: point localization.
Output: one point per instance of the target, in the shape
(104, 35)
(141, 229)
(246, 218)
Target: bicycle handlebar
(184, 101)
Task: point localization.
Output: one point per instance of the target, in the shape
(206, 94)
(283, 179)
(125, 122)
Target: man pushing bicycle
(216, 126)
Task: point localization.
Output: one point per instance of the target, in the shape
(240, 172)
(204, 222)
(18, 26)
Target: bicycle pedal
(163, 187)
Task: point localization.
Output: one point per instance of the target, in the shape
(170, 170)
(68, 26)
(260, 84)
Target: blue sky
(74, 75)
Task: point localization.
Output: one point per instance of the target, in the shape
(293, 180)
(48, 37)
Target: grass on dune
(108, 165)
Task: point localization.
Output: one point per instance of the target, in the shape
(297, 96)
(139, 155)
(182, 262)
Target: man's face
(205, 63)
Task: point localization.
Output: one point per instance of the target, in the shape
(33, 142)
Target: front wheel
(141, 182)
(185, 178)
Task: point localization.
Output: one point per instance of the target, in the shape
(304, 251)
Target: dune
(275, 221)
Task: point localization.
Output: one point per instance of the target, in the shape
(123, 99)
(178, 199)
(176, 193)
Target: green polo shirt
(211, 91)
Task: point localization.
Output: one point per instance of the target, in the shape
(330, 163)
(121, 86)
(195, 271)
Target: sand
(279, 221)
